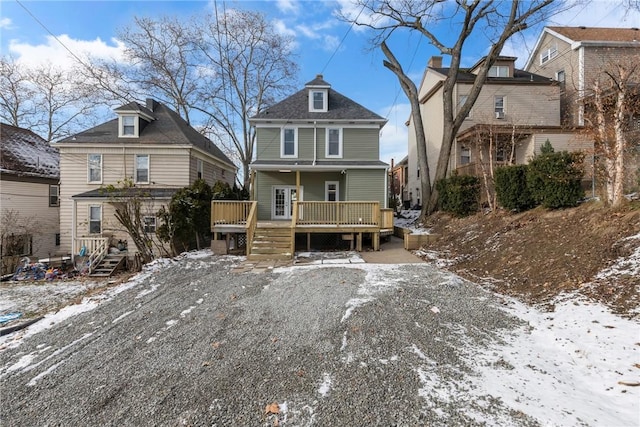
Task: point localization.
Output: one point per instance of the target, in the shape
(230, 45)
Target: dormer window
(128, 126)
(318, 101)
(499, 71)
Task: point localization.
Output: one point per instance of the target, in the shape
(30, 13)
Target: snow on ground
(407, 219)
(574, 366)
(567, 367)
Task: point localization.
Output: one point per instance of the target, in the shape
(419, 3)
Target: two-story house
(319, 151)
(576, 57)
(29, 196)
(515, 113)
(150, 145)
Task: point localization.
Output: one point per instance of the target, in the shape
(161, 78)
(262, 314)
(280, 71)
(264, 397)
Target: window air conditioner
(499, 114)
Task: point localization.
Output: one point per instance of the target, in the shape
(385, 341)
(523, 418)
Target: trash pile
(40, 271)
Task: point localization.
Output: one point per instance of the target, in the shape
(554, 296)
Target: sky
(557, 368)
(324, 44)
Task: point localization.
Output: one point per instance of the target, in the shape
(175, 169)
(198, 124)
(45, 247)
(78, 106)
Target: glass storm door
(283, 198)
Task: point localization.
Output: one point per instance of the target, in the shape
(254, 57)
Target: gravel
(195, 344)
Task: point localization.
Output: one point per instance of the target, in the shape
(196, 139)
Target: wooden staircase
(271, 242)
(108, 265)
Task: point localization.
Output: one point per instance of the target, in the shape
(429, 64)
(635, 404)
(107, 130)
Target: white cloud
(281, 28)
(394, 137)
(601, 13)
(287, 6)
(5, 23)
(53, 52)
(331, 43)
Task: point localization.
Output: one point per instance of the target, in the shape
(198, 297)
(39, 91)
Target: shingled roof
(599, 34)
(166, 128)
(519, 76)
(296, 107)
(23, 153)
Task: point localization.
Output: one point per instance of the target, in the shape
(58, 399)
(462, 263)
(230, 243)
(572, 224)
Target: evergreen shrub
(459, 195)
(511, 188)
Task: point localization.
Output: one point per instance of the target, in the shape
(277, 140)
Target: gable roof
(598, 34)
(296, 107)
(23, 153)
(166, 128)
(588, 36)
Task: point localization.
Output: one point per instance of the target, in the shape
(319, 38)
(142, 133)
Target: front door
(283, 198)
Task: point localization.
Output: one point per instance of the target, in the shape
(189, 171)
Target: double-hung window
(548, 54)
(334, 142)
(465, 155)
(95, 219)
(331, 189)
(128, 126)
(95, 168)
(318, 101)
(462, 99)
(200, 168)
(142, 168)
(54, 195)
(289, 146)
(149, 224)
(499, 104)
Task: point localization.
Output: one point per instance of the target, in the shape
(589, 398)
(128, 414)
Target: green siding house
(316, 145)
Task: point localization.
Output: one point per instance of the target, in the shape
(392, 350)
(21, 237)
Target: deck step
(109, 265)
(271, 243)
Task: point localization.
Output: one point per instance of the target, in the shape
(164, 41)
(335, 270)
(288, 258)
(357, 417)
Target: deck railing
(230, 212)
(252, 221)
(387, 218)
(95, 248)
(337, 213)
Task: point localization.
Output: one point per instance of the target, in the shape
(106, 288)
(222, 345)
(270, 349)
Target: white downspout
(315, 142)
(73, 231)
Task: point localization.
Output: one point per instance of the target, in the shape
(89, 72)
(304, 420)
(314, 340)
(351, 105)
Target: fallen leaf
(216, 344)
(435, 309)
(206, 363)
(630, 383)
(300, 373)
(274, 339)
(272, 409)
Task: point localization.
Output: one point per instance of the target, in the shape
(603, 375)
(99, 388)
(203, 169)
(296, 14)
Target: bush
(459, 194)
(511, 188)
(554, 179)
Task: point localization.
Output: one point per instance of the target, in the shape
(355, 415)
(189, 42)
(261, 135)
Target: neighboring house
(399, 183)
(320, 151)
(515, 113)
(29, 195)
(150, 145)
(576, 57)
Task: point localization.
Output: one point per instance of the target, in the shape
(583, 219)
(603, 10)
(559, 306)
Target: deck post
(375, 238)
(359, 242)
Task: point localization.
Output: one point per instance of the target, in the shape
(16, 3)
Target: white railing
(95, 248)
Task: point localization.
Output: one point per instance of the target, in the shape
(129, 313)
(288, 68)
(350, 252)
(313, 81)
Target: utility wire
(343, 39)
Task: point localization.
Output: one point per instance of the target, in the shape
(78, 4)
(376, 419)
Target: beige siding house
(29, 197)
(576, 56)
(151, 146)
(514, 114)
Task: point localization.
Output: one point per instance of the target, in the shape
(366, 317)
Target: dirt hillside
(539, 254)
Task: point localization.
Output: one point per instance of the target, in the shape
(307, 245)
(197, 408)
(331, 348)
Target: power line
(343, 39)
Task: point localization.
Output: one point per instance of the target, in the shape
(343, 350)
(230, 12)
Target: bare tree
(16, 94)
(497, 21)
(615, 103)
(222, 68)
(46, 99)
(251, 65)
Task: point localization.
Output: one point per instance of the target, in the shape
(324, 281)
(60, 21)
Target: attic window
(128, 126)
(548, 54)
(318, 100)
(498, 71)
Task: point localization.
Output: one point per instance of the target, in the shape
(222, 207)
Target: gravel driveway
(196, 344)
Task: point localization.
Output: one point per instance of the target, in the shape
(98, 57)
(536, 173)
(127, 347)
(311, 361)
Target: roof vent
(582, 27)
(319, 76)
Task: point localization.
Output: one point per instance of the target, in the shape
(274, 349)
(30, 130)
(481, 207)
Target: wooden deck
(352, 220)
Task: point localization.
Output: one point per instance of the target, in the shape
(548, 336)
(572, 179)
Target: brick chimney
(150, 103)
(435, 62)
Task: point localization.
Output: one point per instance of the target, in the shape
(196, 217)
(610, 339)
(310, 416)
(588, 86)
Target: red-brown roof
(599, 34)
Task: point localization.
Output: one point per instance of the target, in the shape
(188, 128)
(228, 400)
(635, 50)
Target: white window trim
(325, 100)
(135, 168)
(549, 54)
(326, 146)
(57, 195)
(326, 190)
(465, 149)
(498, 68)
(136, 122)
(155, 223)
(89, 221)
(461, 103)
(295, 143)
(559, 73)
(199, 168)
(504, 103)
(89, 169)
